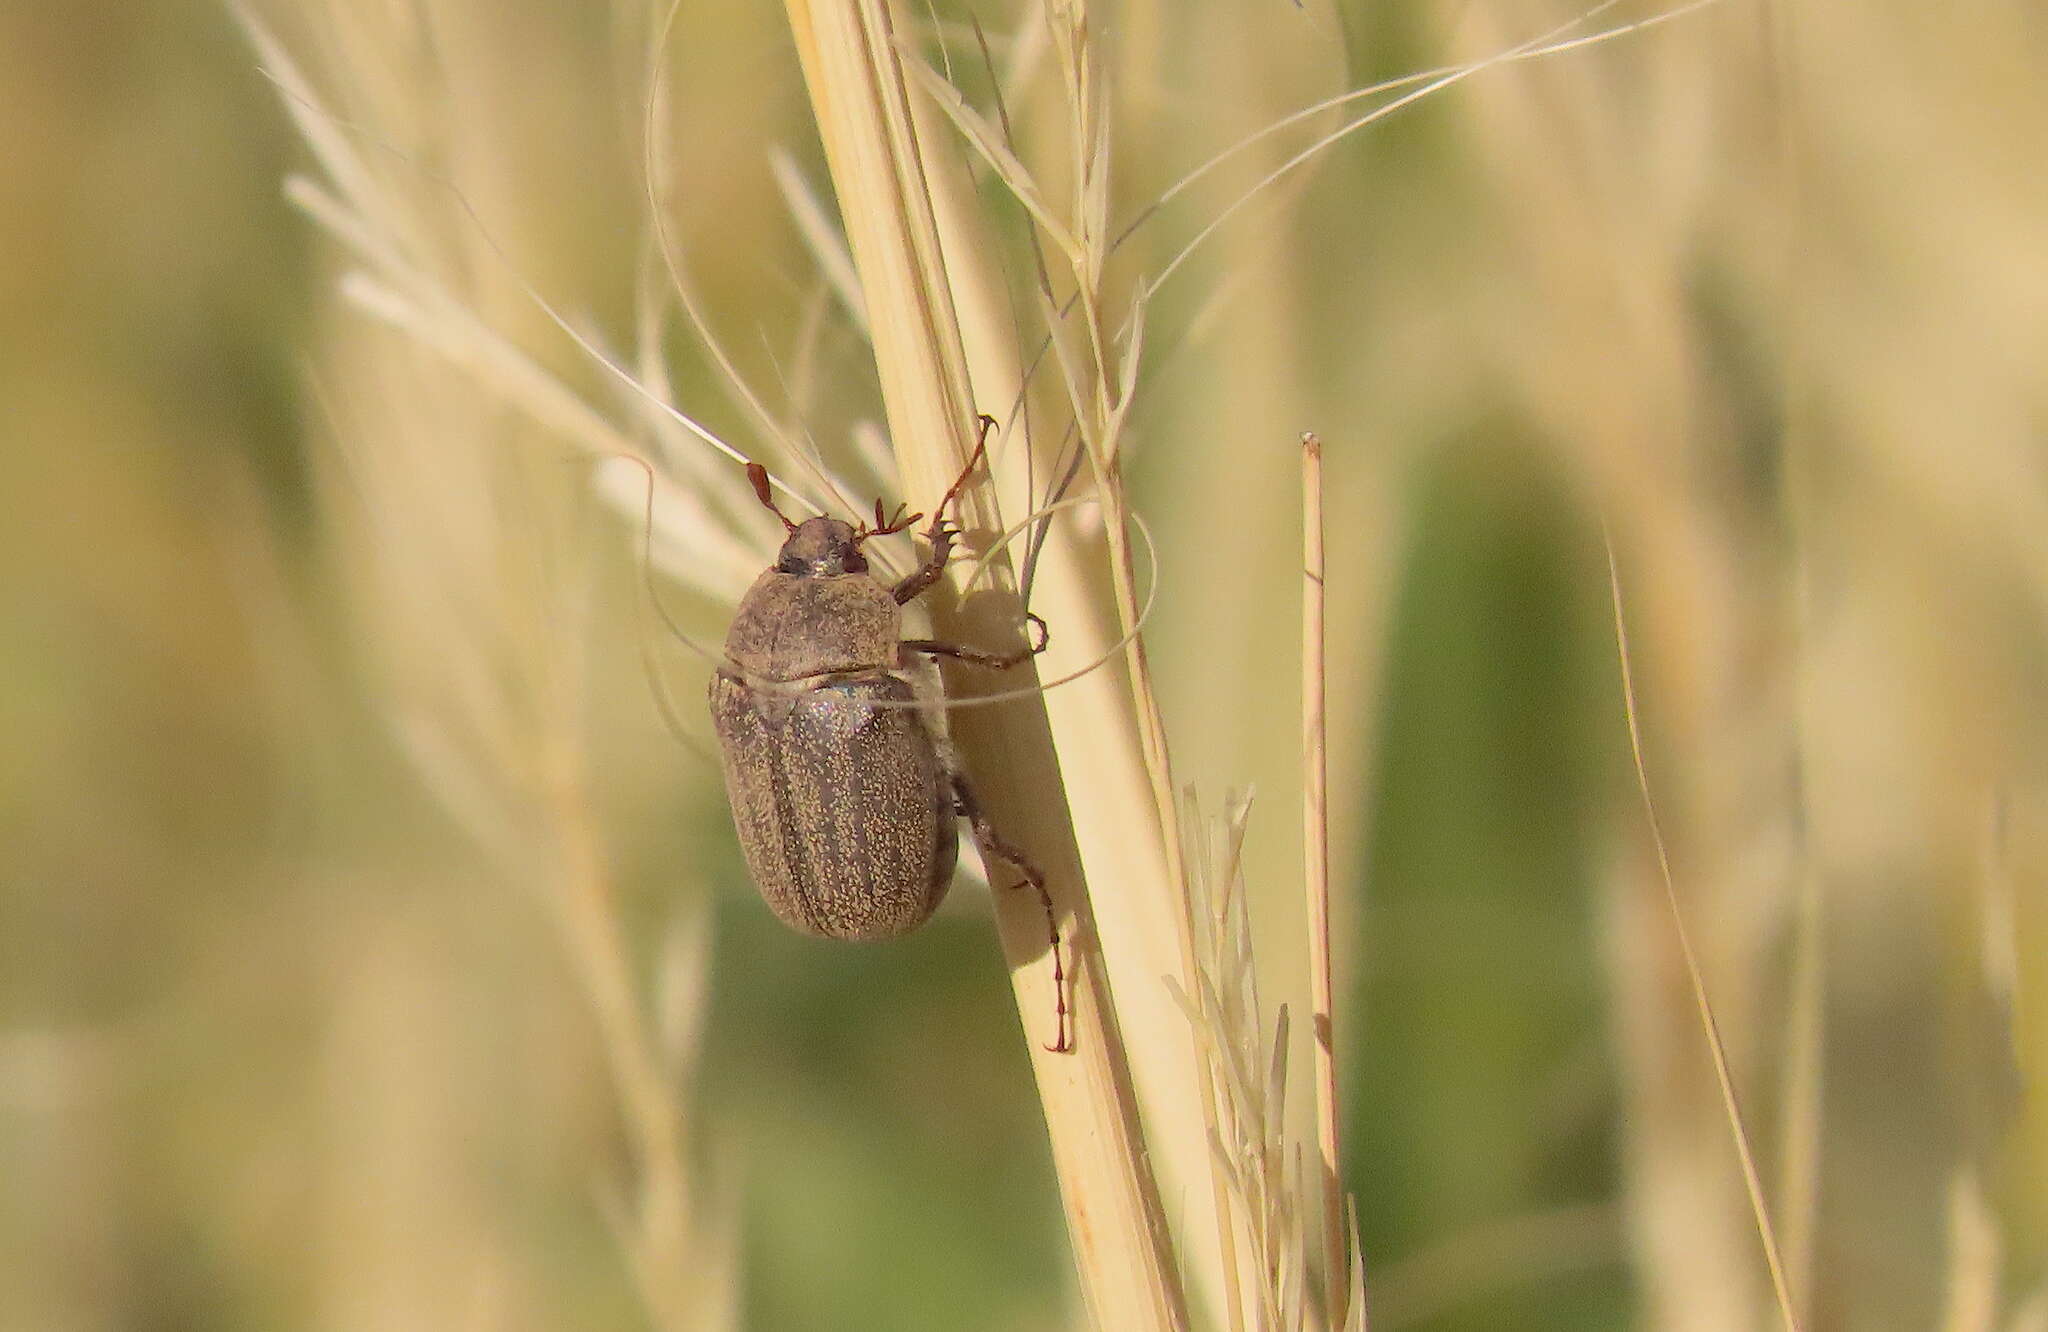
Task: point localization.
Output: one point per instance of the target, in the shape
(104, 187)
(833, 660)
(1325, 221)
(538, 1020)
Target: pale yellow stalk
(881, 174)
(1315, 844)
(1710, 1027)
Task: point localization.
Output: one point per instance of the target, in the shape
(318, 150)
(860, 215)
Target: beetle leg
(941, 535)
(994, 661)
(992, 843)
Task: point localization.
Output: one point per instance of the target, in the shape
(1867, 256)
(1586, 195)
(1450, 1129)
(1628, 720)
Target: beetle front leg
(994, 661)
(940, 535)
(992, 843)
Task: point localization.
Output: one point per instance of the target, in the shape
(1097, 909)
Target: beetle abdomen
(843, 810)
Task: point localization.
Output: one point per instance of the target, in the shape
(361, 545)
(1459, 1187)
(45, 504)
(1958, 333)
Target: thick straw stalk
(873, 151)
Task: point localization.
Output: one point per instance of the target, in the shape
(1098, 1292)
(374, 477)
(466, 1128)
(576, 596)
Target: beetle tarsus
(994, 661)
(986, 424)
(992, 843)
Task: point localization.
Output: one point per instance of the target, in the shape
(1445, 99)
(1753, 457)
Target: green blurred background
(302, 640)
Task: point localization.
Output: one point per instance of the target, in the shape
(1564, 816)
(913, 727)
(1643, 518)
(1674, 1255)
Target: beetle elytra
(840, 788)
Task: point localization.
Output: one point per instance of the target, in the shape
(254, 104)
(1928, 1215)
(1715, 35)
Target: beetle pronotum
(840, 790)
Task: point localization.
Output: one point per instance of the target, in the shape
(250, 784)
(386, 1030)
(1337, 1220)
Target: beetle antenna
(758, 474)
(886, 526)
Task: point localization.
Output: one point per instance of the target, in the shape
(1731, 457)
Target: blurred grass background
(286, 1042)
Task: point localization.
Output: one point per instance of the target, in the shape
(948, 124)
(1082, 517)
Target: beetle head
(822, 548)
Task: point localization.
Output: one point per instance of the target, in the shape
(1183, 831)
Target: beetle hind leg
(993, 843)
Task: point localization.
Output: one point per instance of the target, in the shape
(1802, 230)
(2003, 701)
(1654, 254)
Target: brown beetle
(844, 802)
